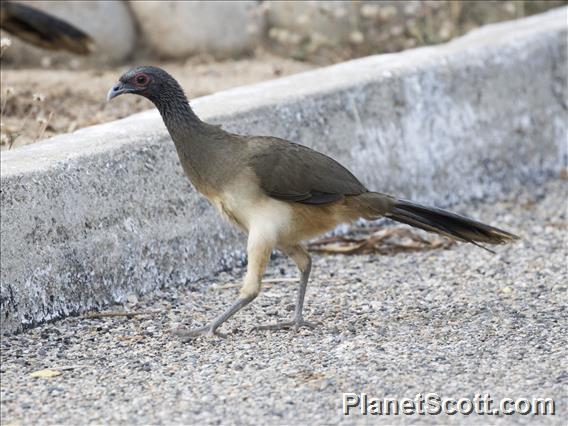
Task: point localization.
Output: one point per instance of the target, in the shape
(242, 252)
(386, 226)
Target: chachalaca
(43, 30)
(279, 192)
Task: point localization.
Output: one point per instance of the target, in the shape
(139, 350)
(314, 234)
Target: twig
(4, 102)
(281, 280)
(265, 283)
(44, 126)
(22, 127)
(121, 314)
(67, 367)
(379, 241)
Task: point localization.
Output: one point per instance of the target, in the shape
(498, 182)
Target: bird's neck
(190, 136)
(177, 114)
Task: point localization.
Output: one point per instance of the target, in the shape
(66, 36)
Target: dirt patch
(40, 103)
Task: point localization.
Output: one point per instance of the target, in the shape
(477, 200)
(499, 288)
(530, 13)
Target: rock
(326, 31)
(180, 29)
(311, 23)
(109, 23)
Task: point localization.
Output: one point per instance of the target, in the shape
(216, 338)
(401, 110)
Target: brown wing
(292, 172)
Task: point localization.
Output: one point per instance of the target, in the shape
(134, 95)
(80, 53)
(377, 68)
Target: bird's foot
(185, 334)
(295, 324)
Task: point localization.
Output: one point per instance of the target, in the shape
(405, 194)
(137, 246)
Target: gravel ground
(456, 322)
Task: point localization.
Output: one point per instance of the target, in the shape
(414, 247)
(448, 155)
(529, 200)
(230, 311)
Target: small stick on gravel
(377, 240)
(67, 367)
(269, 282)
(121, 314)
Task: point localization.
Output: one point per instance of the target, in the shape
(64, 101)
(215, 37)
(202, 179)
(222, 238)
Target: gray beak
(118, 89)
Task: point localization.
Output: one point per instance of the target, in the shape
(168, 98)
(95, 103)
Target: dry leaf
(46, 374)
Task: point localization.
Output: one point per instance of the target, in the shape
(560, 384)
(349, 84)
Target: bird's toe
(305, 324)
(185, 334)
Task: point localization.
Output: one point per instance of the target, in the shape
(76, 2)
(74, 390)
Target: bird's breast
(243, 203)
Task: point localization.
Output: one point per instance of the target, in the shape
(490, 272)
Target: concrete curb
(93, 216)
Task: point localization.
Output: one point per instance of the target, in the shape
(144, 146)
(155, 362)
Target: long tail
(439, 221)
(42, 29)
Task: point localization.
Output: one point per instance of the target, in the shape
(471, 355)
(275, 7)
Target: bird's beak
(118, 89)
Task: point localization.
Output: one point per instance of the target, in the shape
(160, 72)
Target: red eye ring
(141, 79)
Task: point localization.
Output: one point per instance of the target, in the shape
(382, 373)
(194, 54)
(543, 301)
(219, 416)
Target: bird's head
(161, 89)
(150, 82)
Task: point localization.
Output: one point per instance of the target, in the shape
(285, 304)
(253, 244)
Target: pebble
(457, 322)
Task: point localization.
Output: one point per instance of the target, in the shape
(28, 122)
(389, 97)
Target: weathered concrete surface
(91, 217)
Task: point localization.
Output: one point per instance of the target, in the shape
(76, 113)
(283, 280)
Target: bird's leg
(304, 262)
(211, 329)
(259, 250)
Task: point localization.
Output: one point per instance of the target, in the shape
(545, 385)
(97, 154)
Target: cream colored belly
(278, 222)
(283, 223)
(245, 205)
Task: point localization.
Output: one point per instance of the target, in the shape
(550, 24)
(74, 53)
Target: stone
(180, 29)
(318, 23)
(109, 23)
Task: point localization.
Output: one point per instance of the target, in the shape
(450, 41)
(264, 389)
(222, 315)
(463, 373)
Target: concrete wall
(93, 216)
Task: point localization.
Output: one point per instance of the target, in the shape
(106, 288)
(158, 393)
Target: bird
(42, 29)
(279, 193)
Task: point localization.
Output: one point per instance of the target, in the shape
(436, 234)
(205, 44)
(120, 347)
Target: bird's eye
(141, 79)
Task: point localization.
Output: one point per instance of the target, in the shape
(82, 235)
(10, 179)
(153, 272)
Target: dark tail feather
(449, 224)
(43, 30)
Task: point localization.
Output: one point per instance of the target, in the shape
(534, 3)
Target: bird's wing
(292, 172)
(43, 30)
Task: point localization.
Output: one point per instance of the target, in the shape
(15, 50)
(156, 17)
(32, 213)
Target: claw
(305, 324)
(294, 324)
(186, 334)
